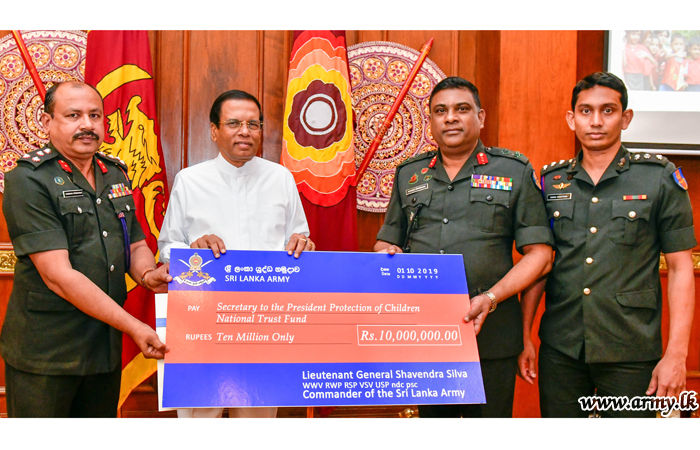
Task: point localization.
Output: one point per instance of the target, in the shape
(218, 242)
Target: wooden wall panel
(487, 78)
(591, 44)
(277, 48)
(218, 61)
(172, 96)
(464, 55)
(357, 37)
(538, 71)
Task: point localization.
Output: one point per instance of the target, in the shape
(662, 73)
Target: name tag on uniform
(492, 182)
(413, 190)
(73, 193)
(556, 197)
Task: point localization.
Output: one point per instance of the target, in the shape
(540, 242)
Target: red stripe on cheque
(250, 327)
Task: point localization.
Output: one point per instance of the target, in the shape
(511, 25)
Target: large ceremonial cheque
(256, 328)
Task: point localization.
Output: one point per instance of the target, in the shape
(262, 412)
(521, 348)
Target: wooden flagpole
(29, 63)
(392, 112)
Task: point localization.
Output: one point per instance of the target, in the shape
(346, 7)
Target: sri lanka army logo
(195, 276)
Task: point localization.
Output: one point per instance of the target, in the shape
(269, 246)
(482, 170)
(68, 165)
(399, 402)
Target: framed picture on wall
(661, 69)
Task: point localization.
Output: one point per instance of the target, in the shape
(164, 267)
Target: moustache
(86, 133)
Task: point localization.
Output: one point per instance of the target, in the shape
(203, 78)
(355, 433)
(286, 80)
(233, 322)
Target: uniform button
(80, 210)
(594, 230)
(489, 198)
(586, 291)
(128, 208)
(589, 260)
(104, 233)
(111, 268)
(632, 214)
(445, 220)
(442, 252)
(449, 188)
(98, 201)
(413, 200)
(556, 214)
(594, 199)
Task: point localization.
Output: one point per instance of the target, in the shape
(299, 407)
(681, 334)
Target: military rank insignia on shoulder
(648, 158)
(114, 159)
(562, 164)
(496, 151)
(38, 157)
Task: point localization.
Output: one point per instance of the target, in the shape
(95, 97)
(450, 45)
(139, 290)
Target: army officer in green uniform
(70, 215)
(612, 212)
(475, 201)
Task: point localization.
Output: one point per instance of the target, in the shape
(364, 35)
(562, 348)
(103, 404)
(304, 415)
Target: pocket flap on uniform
(632, 209)
(123, 204)
(75, 205)
(47, 301)
(490, 196)
(638, 299)
(418, 198)
(559, 210)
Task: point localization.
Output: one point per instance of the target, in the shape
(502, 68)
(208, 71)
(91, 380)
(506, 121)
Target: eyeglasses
(234, 125)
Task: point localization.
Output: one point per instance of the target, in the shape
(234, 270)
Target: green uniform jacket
(478, 223)
(604, 290)
(48, 207)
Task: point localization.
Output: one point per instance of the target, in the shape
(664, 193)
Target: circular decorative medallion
(378, 71)
(66, 56)
(398, 71)
(40, 54)
(58, 56)
(11, 66)
(373, 68)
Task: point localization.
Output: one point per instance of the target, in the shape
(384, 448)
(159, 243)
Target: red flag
(317, 145)
(118, 64)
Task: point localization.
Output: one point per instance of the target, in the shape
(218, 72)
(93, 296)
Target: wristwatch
(494, 302)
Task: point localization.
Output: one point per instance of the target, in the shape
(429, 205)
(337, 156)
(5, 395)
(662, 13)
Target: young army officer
(475, 201)
(612, 213)
(71, 218)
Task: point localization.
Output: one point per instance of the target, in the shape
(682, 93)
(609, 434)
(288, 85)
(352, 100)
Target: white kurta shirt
(254, 207)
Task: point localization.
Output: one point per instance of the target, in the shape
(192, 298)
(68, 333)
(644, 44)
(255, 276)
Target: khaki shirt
(604, 290)
(48, 208)
(480, 223)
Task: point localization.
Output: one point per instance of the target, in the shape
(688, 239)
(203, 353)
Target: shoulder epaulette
(496, 151)
(648, 158)
(418, 158)
(113, 159)
(38, 157)
(561, 164)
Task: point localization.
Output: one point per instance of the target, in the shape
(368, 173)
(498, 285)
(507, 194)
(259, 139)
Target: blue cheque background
(327, 272)
(222, 385)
